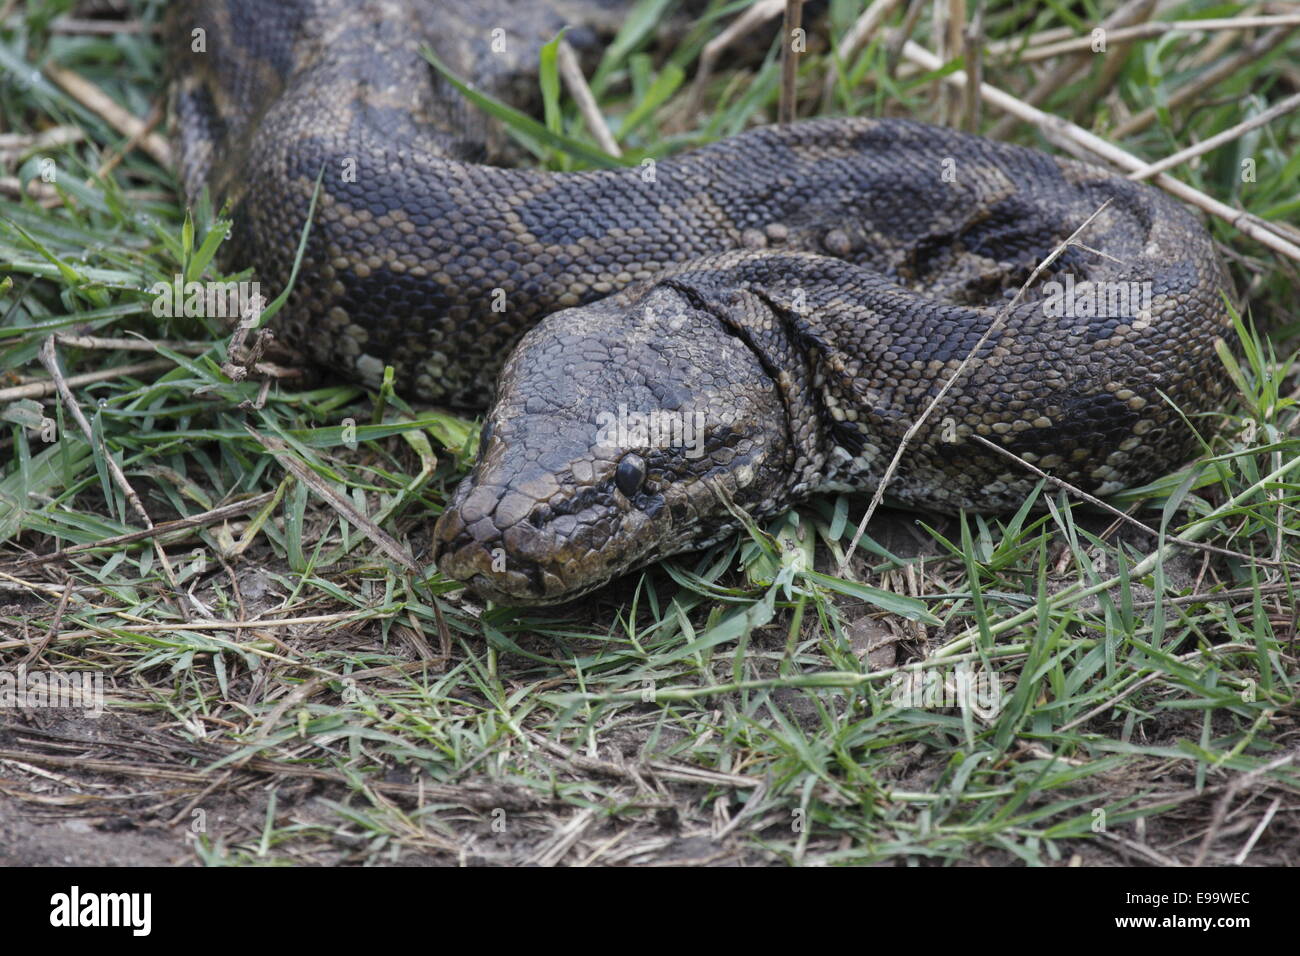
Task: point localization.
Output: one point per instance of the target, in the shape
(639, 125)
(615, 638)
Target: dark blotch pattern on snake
(737, 327)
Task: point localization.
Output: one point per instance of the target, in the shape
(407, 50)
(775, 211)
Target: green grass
(739, 704)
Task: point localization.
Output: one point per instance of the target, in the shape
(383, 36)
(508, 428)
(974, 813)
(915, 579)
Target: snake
(670, 348)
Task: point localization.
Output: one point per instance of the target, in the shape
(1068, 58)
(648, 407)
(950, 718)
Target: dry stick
(956, 19)
(1141, 849)
(1135, 686)
(1080, 493)
(973, 53)
(101, 27)
(160, 530)
(857, 37)
(201, 796)
(1111, 69)
(947, 27)
(787, 108)
(1221, 807)
(302, 692)
(135, 626)
(10, 583)
(1014, 45)
(586, 100)
(1219, 44)
(24, 144)
(1211, 77)
(1242, 221)
(939, 39)
(132, 345)
(954, 22)
(994, 326)
(1146, 30)
(51, 363)
(749, 21)
(484, 797)
(1240, 858)
(41, 389)
(1076, 65)
(39, 647)
(1214, 142)
(97, 101)
(894, 47)
(43, 193)
(336, 501)
(115, 157)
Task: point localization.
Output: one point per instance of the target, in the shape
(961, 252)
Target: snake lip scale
(737, 327)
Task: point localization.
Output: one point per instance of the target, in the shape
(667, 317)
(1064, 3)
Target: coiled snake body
(737, 327)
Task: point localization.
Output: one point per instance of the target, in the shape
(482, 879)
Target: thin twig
(791, 47)
(749, 21)
(51, 362)
(1240, 858)
(1142, 850)
(345, 508)
(1141, 31)
(857, 37)
(973, 53)
(954, 28)
(1101, 709)
(1242, 221)
(1112, 67)
(894, 46)
(157, 531)
(1221, 806)
(1077, 64)
(1214, 142)
(100, 27)
(1226, 68)
(39, 647)
(42, 389)
(97, 101)
(115, 157)
(132, 344)
(1012, 45)
(20, 145)
(349, 617)
(994, 326)
(577, 86)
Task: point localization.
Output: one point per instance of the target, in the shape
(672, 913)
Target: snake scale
(739, 326)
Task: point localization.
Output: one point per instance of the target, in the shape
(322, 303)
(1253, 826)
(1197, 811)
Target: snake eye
(630, 475)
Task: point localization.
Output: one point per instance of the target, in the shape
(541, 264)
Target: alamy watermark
(218, 300)
(1102, 300)
(80, 690)
(961, 686)
(74, 908)
(657, 428)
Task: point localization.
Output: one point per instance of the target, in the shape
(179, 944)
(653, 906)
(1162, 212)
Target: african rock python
(740, 326)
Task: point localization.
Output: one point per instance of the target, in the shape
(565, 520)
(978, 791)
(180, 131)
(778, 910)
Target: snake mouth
(479, 564)
(525, 564)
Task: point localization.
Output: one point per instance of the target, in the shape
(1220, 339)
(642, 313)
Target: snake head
(619, 432)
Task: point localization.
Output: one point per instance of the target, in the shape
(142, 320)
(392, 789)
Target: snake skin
(738, 327)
